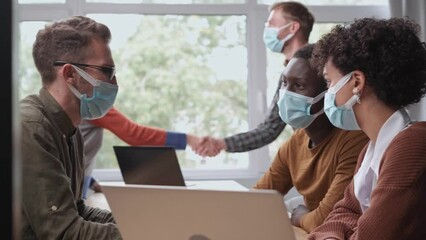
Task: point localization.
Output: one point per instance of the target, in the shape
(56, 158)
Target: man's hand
(210, 146)
(297, 214)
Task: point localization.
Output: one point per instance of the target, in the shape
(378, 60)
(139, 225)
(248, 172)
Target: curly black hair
(305, 52)
(388, 52)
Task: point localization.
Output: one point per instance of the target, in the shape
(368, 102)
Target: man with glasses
(78, 82)
(287, 29)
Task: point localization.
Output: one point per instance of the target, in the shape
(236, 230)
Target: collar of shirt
(366, 178)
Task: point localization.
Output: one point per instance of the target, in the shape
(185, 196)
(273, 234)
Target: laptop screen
(149, 165)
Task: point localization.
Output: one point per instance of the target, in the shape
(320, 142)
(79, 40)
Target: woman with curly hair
(374, 69)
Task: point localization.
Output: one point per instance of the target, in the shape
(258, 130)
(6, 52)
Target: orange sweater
(136, 134)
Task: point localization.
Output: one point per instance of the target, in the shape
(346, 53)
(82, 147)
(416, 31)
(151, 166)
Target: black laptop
(149, 165)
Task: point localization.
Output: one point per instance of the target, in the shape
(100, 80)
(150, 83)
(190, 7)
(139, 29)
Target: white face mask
(270, 38)
(102, 99)
(343, 116)
(295, 109)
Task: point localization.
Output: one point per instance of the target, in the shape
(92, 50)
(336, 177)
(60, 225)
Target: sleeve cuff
(176, 140)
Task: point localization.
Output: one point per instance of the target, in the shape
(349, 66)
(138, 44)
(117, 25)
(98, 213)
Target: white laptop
(179, 213)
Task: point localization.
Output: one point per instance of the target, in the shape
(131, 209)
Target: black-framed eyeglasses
(109, 71)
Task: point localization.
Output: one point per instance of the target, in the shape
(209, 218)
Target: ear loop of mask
(310, 100)
(334, 89)
(87, 77)
(339, 85)
(289, 35)
(315, 100)
(285, 26)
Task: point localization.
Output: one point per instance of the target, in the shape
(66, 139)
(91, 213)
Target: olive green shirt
(52, 176)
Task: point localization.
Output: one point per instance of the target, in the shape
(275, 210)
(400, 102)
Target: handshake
(206, 146)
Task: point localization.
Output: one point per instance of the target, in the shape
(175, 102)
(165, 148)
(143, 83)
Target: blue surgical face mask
(270, 38)
(343, 116)
(102, 99)
(295, 109)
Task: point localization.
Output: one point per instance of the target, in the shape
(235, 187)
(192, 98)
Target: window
(41, 1)
(190, 74)
(333, 2)
(170, 1)
(190, 66)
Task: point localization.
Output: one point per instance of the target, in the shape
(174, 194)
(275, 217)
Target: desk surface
(99, 200)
